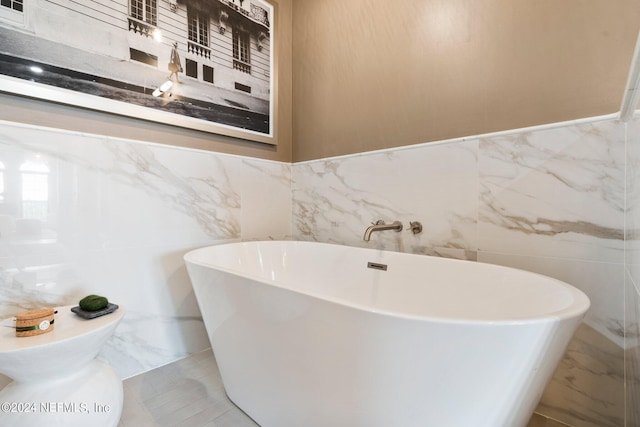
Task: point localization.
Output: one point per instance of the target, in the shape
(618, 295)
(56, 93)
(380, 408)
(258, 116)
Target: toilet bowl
(57, 380)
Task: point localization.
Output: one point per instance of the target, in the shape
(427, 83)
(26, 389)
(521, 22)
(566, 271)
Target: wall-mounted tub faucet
(381, 226)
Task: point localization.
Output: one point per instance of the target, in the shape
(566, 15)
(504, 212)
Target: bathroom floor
(189, 393)
(186, 393)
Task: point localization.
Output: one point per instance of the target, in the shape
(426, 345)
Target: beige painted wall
(372, 74)
(31, 111)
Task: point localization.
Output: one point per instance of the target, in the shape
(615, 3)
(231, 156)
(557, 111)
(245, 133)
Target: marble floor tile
(185, 393)
(587, 389)
(632, 353)
(538, 420)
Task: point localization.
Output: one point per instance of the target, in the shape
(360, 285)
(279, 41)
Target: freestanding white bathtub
(311, 334)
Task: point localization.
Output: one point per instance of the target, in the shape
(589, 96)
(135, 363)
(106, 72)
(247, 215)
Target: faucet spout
(381, 226)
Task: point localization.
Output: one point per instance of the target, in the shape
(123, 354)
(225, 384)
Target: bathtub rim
(576, 310)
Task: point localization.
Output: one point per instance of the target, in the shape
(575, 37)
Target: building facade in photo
(222, 44)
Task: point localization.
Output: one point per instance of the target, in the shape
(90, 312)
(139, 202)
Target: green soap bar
(93, 303)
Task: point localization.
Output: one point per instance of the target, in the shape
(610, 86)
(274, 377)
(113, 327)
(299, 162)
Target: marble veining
(335, 200)
(210, 200)
(548, 200)
(115, 217)
(121, 215)
(199, 187)
(571, 396)
(632, 353)
(632, 276)
(558, 192)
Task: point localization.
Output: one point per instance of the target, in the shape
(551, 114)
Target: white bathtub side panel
(291, 360)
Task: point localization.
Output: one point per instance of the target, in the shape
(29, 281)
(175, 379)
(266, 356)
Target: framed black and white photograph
(200, 64)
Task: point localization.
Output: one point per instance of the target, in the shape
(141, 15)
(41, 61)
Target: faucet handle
(378, 222)
(415, 227)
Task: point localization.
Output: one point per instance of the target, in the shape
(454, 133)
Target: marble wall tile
(556, 192)
(335, 200)
(632, 263)
(115, 217)
(120, 216)
(632, 353)
(632, 217)
(549, 200)
(552, 201)
(632, 213)
(587, 388)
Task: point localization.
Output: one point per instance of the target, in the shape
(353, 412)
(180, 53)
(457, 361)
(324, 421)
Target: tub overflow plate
(377, 266)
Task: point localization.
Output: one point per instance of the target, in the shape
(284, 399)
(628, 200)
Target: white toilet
(57, 380)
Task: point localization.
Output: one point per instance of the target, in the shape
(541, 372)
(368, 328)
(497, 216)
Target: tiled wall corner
(632, 354)
(632, 282)
(552, 202)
